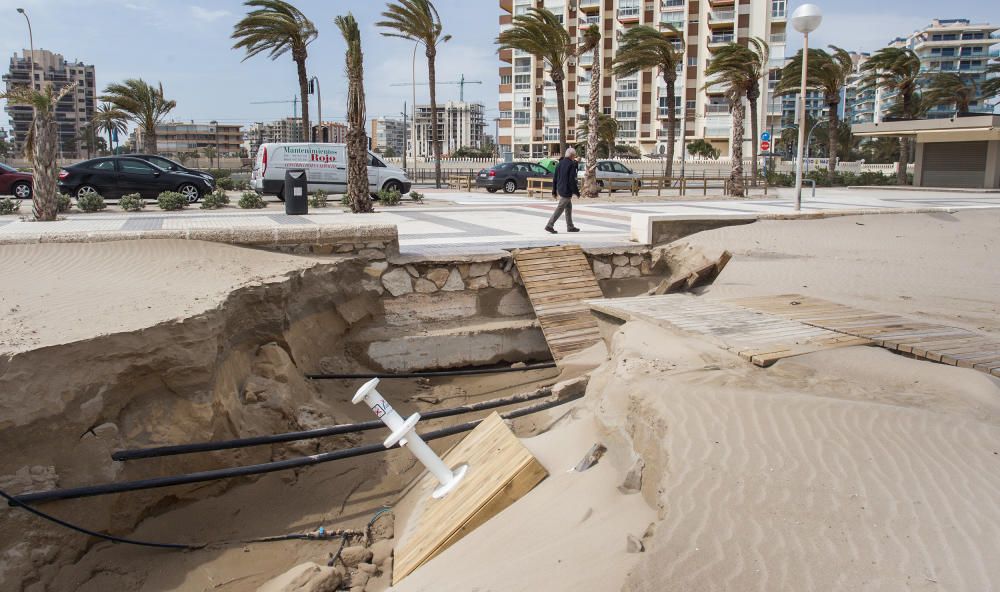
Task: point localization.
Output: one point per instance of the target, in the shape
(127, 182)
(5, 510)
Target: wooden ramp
(759, 338)
(558, 280)
(501, 471)
(929, 341)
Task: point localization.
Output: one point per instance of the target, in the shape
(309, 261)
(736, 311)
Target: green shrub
(132, 202)
(9, 206)
(389, 198)
(215, 200)
(417, 197)
(171, 200)
(242, 185)
(225, 183)
(91, 203)
(345, 201)
(318, 199)
(250, 200)
(218, 173)
(63, 203)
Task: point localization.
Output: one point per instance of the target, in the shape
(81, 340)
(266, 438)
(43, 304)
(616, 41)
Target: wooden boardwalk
(558, 281)
(929, 341)
(756, 337)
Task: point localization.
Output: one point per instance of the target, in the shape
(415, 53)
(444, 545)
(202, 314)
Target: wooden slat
(558, 280)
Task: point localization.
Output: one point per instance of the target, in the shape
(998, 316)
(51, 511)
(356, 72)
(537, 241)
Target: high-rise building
(528, 108)
(334, 132)
(954, 45)
(174, 137)
(388, 133)
(288, 129)
(460, 125)
(73, 113)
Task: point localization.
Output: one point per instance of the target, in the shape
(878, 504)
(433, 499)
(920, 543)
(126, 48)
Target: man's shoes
(574, 229)
(550, 230)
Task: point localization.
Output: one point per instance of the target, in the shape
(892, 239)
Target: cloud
(206, 15)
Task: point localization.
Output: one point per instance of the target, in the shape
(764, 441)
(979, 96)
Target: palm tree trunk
(671, 122)
(904, 157)
(736, 186)
(43, 160)
(110, 141)
(833, 125)
(753, 140)
(435, 143)
(590, 187)
(150, 143)
(300, 65)
(357, 169)
(557, 80)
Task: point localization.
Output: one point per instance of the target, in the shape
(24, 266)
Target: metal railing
(721, 15)
(724, 38)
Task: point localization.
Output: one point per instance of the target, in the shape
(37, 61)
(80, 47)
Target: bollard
(403, 432)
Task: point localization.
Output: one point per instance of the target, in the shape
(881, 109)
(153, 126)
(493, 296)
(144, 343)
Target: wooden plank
(501, 470)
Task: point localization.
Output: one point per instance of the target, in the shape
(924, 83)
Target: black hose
(351, 428)
(434, 373)
(270, 467)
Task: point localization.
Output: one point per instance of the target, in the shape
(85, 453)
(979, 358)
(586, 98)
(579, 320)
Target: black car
(173, 166)
(115, 176)
(509, 176)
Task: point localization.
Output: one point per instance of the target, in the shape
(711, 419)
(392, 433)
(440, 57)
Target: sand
(52, 294)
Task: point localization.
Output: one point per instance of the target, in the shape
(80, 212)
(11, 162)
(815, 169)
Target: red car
(13, 182)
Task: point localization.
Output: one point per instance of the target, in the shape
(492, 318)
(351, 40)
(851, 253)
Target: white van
(325, 166)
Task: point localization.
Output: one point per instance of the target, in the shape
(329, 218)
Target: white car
(608, 169)
(325, 166)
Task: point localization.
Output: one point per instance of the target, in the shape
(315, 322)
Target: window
(522, 82)
(522, 117)
(374, 162)
(604, 167)
(506, 115)
(539, 170)
(104, 165)
(627, 88)
(692, 61)
(506, 79)
(620, 168)
(522, 66)
(526, 101)
(163, 163)
(777, 8)
(136, 167)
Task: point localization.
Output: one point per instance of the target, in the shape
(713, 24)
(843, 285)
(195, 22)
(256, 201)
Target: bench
(657, 229)
(613, 184)
(539, 185)
(460, 182)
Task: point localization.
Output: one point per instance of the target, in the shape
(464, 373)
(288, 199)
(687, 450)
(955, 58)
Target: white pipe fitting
(404, 434)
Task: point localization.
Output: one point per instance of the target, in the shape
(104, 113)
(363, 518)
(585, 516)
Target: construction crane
(294, 102)
(461, 82)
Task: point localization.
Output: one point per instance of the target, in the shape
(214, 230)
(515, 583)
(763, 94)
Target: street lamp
(31, 42)
(215, 126)
(805, 19)
(319, 109)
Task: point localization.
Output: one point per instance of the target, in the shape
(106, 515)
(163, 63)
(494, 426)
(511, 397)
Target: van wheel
(393, 186)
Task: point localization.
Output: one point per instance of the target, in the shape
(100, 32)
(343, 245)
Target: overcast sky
(185, 44)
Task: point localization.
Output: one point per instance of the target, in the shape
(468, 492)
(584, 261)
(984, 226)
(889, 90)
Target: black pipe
(434, 373)
(350, 428)
(281, 465)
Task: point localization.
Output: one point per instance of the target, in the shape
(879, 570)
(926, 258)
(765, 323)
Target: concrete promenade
(477, 221)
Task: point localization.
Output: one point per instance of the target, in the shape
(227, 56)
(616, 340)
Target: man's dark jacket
(564, 179)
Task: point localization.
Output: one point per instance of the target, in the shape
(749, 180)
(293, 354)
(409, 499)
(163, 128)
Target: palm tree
(607, 131)
(277, 27)
(948, 88)
(210, 153)
(143, 103)
(41, 145)
(741, 68)
(991, 87)
(896, 70)
(643, 47)
(110, 119)
(418, 21)
(592, 42)
(357, 139)
(541, 34)
(829, 73)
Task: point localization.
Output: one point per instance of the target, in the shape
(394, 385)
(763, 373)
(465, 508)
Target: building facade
(460, 125)
(288, 129)
(334, 132)
(388, 133)
(528, 109)
(73, 113)
(174, 137)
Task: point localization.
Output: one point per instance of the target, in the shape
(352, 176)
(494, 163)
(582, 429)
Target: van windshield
(375, 162)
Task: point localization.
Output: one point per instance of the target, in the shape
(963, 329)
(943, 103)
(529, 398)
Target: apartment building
(288, 129)
(528, 110)
(388, 133)
(174, 137)
(334, 132)
(460, 124)
(73, 113)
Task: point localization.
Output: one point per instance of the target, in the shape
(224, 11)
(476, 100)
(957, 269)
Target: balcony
(663, 133)
(627, 93)
(586, 60)
(721, 16)
(626, 114)
(665, 112)
(589, 20)
(720, 39)
(589, 6)
(717, 132)
(777, 38)
(672, 4)
(672, 19)
(628, 14)
(716, 108)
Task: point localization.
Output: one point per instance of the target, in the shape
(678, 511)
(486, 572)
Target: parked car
(115, 176)
(173, 166)
(608, 169)
(14, 182)
(325, 166)
(509, 176)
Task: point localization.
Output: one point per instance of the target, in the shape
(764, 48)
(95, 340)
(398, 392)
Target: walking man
(564, 186)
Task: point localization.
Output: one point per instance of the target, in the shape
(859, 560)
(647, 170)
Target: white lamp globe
(807, 18)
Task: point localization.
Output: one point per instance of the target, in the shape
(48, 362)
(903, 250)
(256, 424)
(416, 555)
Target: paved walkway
(484, 222)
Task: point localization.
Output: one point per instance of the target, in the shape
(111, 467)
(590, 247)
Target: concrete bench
(656, 229)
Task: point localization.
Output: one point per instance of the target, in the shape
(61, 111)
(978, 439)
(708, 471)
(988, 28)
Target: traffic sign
(765, 145)
(765, 136)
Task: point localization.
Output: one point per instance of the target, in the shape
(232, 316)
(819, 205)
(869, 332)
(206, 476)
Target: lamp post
(31, 42)
(805, 19)
(215, 126)
(319, 110)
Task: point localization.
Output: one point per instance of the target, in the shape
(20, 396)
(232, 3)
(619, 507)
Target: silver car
(608, 169)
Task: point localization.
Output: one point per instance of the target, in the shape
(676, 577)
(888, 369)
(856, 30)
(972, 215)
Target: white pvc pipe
(405, 434)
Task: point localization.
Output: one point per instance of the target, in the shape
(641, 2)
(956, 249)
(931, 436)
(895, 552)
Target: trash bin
(296, 192)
